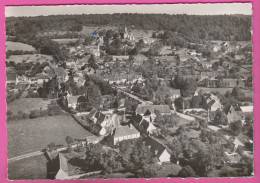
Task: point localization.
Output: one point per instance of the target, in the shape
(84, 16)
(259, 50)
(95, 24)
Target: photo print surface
(129, 91)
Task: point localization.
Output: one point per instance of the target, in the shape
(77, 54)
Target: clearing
(30, 58)
(18, 46)
(26, 136)
(30, 103)
(29, 168)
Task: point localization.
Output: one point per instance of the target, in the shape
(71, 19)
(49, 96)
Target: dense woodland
(190, 27)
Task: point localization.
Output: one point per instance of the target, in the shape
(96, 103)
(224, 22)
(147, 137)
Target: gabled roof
(63, 163)
(100, 118)
(147, 113)
(123, 131)
(43, 76)
(246, 108)
(141, 109)
(92, 113)
(156, 147)
(137, 118)
(162, 108)
(50, 72)
(147, 125)
(229, 109)
(73, 99)
(80, 82)
(60, 71)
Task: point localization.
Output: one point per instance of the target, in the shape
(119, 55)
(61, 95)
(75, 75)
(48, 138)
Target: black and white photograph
(129, 91)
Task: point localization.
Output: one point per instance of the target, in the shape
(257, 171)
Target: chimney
(156, 152)
(130, 126)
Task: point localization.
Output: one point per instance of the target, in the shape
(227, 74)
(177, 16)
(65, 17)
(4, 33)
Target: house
(240, 57)
(140, 59)
(234, 83)
(174, 93)
(183, 58)
(125, 34)
(232, 115)
(93, 139)
(61, 74)
(103, 120)
(120, 57)
(94, 50)
(42, 78)
(162, 109)
(124, 133)
(72, 101)
(11, 75)
(192, 52)
(143, 124)
(246, 109)
(158, 149)
(212, 101)
(62, 167)
(80, 82)
(149, 40)
(166, 50)
(70, 64)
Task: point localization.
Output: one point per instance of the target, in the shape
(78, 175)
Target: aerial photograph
(129, 91)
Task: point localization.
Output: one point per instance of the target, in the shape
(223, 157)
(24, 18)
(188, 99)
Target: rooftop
(125, 131)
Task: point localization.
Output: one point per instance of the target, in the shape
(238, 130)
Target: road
(36, 153)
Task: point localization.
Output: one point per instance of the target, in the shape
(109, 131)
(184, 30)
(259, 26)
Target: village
(144, 108)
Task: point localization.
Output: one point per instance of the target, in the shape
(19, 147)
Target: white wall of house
(165, 156)
(61, 175)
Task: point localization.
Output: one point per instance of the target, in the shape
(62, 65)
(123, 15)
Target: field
(65, 41)
(18, 46)
(89, 29)
(30, 103)
(25, 136)
(30, 58)
(29, 168)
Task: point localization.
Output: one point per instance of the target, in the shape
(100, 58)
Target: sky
(191, 9)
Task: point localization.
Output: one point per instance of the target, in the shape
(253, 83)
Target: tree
(189, 87)
(92, 62)
(220, 118)
(236, 127)
(176, 148)
(180, 103)
(208, 136)
(196, 101)
(69, 140)
(52, 146)
(149, 171)
(94, 157)
(177, 82)
(238, 93)
(92, 96)
(186, 171)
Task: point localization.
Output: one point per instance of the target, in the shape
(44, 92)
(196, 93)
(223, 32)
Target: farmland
(31, 135)
(29, 58)
(18, 46)
(65, 41)
(29, 168)
(30, 103)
